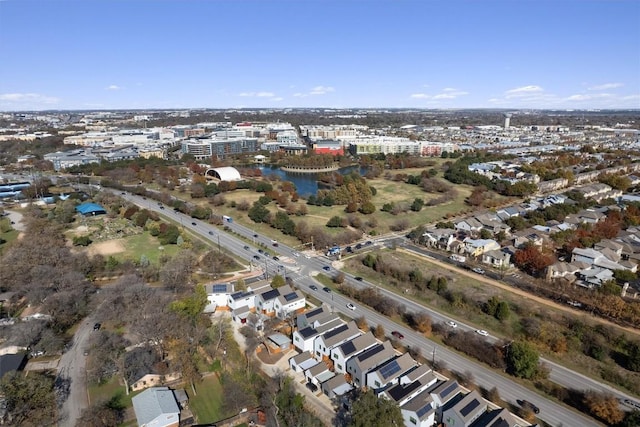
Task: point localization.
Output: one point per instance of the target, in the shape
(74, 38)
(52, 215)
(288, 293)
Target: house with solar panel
(280, 302)
(323, 344)
(303, 339)
(466, 411)
(389, 373)
(419, 411)
(309, 317)
(217, 296)
(360, 365)
(349, 349)
(410, 385)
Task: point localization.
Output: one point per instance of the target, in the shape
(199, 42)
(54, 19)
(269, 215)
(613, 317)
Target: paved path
(318, 404)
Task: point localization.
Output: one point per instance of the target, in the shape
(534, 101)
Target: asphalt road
(304, 267)
(72, 367)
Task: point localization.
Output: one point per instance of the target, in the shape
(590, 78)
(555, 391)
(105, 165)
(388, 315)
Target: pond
(306, 183)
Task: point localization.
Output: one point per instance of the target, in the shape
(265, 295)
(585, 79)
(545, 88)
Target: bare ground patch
(109, 247)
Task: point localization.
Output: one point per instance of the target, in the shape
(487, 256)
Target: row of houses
(337, 357)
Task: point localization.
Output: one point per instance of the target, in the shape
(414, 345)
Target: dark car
(397, 335)
(326, 268)
(193, 223)
(275, 258)
(529, 405)
(358, 278)
(161, 207)
(348, 249)
(326, 289)
(97, 327)
(313, 287)
(256, 257)
(246, 248)
(255, 235)
(211, 233)
(312, 387)
(260, 251)
(359, 246)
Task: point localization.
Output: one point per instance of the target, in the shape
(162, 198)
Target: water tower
(507, 120)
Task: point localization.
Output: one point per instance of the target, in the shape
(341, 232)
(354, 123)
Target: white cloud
(113, 87)
(523, 91)
(321, 90)
(257, 94)
(278, 99)
(450, 93)
(606, 86)
(27, 101)
(420, 96)
(299, 95)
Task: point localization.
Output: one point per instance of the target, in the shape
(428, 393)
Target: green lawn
(145, 244)
(207, 404)
(110, 389)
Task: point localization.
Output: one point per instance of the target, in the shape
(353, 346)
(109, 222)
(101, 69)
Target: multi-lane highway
(300, 268)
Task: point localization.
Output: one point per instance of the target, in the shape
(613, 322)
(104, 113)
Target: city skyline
(145, 54)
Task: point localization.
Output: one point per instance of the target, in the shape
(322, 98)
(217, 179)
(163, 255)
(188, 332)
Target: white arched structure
(226, 173)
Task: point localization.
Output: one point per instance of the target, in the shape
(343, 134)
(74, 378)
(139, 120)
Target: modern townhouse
(466, 411)
(360, 365)
(341, 354)
(389, 373)
(303, 339)
(326, 342)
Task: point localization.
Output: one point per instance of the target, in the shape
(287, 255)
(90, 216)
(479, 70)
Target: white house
(476, 247)
(348, 349)
(288, 303)
(241, 299)
(419, 411)
(217, 296)
(336, 386)
(410, 386)
(466, 411)
(390, 372)
(303, 338)
(360, 365)
(301, 362)
(318, 374)
(326, 342)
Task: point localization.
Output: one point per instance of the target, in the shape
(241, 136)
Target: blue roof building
(90, 209)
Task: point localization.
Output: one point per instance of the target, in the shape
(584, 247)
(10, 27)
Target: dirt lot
(109, 247)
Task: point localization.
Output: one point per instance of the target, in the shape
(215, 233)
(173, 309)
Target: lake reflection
(306, 183)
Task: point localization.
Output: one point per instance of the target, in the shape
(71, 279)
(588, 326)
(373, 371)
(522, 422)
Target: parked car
(97, 327)
(312, 387)
(482, 332)
(529, 405)
(397, 334)
(478, 270)
(351, 306)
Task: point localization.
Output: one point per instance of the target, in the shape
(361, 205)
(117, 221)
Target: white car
(295, 254)
(351, 306)
(452, 324)
(482, 332)
(478, 270)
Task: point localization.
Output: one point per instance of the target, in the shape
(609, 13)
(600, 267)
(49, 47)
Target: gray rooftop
(154, 402)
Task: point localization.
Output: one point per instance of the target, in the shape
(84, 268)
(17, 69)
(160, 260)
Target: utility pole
(219, 250)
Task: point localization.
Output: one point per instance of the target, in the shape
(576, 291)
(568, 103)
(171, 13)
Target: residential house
(336, 386)
(497, 258)
(594, 276)
(309, 317)
(12, 362)
(317, 374)
(301, 362)
(288, 303)
(498, 418)
(442, 394)
(509, 212)
(217, 296)
(476, 247)
(360, 365)
(406, 389)
(440, 238)
(156, 407)
(303, 339)
(326, 342)
(241, 299)
(469, 225)
(565, 270)
(420, 411)
(390, 372)
(348, 349)
(466, 411)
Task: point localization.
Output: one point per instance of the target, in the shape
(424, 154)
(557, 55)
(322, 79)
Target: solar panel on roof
(367, 354)
(291, 296)
(449, 389)
(469, 407)
(219, 288)
(335, 331)
(348, 348)
(389, 369)
(426, 408)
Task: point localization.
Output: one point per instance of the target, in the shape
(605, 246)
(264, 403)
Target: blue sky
(97, 54)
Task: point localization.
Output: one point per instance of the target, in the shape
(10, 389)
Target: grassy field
(109, 390)
(145, 244)
(207, 404)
